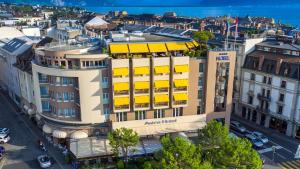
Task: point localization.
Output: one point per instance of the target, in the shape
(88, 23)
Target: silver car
(44, 161)
(4, 138)
(261, 137)
(4, 131)
(256, 142)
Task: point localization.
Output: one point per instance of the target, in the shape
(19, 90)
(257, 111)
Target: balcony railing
(161, 104)
(262, 97)
(161, 90)
(141, 91)
(180, 89)
(176, 103)
(139, 106)
(262, 110)
(122, 107)
(120, 93)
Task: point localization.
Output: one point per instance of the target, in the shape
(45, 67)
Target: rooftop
(280, 45)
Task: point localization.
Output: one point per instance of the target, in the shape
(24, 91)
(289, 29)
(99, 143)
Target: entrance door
(262, 119)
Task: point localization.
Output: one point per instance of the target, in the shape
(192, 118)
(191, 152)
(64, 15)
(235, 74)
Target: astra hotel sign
(223, 57)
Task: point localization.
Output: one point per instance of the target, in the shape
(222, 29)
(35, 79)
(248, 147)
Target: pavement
(286, 146)
(22, 149)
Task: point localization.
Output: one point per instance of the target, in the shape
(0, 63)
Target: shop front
(278, 124)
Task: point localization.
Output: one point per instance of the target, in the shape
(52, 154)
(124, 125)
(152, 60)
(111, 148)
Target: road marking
(281, 156)
(282, 147)
(12, 108)
(269, 149)
(2, 162)
(293, 164)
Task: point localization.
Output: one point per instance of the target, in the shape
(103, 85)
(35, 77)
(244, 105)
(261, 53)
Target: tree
(203, 36)
(181, 154)
(124, 139)
(225, 152)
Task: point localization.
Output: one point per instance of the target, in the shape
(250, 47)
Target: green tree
(225, 152)
(124, 139)
(203, 36)
(181, 154)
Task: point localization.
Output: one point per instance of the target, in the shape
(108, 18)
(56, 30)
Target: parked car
(4, 131)
(44, 161)
(256, 142)
(260, 136)
(4, 138)
(237, 126)
(2, 150)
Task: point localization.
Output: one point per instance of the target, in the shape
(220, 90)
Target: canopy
(59, 134)
(118, 48)
(180, 96)
(157, 47)
(78, 135)
(181, 68)
(161, 84)
(141, 85)
(120, 101)
(141, 99)
(120, 71)
(138, 48)
(174, 46)
(190, 45)
(141, 70)
(181, 83)
(121, 86)
(161, 69)
(160, 98)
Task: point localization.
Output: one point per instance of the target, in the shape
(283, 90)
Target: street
(22, 150)
(285, 147)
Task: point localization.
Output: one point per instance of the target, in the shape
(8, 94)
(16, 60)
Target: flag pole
(236, 33)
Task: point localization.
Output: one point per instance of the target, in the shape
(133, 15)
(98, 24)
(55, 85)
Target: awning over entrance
(78, 135)
(59, 134)
(47, 129)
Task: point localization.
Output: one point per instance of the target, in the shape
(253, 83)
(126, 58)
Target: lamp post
(274, 152)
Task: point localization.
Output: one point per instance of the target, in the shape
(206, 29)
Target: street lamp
(274, 151)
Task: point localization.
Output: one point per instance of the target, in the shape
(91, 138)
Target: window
(200, 94)
(140, 115)
(122, 116)
(281, 97)
(58, 96)
(270, 80)
(57, 80)
(283, 84)
(65, 81)
(177, 112)
(200, 110)
(250, 100)
(265, 79)
(44, 91)
(280, 109)
(45, 105)
(105, 96)
(252, 77)
(268, 93)
(104, 79)
(201, 67)
(200, 81)
(106, 111)
(159, 113)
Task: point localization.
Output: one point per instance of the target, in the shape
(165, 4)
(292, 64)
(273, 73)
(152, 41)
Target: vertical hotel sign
(223, 57)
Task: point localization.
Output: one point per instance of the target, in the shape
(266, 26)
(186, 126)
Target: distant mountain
(157, 2)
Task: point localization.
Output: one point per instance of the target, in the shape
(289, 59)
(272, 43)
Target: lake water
(284, 14)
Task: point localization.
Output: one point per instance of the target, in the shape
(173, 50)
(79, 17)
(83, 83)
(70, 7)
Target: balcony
(163, 104)
(262, 110)
(141, 91)
(262, 97)
(142, 106)
(124, 107)
(180, 89)
(161, 90)
(179, 103)
(121, 93)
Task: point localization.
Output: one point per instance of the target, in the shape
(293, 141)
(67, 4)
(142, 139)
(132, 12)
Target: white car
(4, 131)
(44, 161)
(237, 126)
(4, 138)
(256, 142)
(260, 136)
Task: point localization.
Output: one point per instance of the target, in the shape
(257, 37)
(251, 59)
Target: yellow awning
(161, 69)
(138, 48)
(120, 101)
(176, 46)
(118, 48)
(161, 84)
(190, 45)
(141, 99)
(120, 71)
(161, 98)
(181, 82)
(180, 96)
(141, 70)
(181, 68)
(195, 43)
(141, 85)
(157, 47)
(121, 86)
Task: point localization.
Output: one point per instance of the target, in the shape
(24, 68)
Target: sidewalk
(269, 164)
(270, 132)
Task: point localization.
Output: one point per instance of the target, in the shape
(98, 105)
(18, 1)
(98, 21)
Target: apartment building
(144, 82)
(270, 87)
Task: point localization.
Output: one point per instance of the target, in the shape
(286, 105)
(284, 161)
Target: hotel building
(270, 87)
(144, 81)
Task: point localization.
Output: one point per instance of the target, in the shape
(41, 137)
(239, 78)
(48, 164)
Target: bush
(120, 164)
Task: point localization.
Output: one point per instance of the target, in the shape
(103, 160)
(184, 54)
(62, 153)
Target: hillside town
(70, 77)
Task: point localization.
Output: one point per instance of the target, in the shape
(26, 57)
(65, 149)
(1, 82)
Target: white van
(4, 138)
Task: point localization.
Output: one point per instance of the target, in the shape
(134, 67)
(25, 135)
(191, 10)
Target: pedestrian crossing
(293, 164)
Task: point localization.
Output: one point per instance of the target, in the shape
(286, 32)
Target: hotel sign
(223, 57)
(160, 122)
